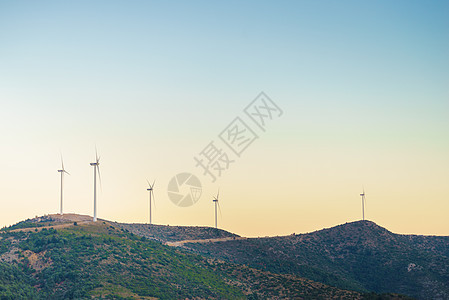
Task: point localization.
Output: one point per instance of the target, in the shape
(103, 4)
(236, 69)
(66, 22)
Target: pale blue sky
(364, 88)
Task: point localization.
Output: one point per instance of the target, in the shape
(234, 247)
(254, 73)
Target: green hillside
(98, 259)
(102, 261)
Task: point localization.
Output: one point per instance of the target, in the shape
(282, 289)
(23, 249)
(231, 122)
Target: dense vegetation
(103, 260)
(100, 260)
(15, 283)
(360, 256)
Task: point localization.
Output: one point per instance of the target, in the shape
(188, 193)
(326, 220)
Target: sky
(361, 87)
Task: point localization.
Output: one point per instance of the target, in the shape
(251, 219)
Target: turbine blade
(153, 183)
(152, 198)
(99, 176)
(66, 172)
(148, 182)
(219, 209)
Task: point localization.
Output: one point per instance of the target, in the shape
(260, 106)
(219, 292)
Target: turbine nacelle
(216, 204)
(151, 193)
(96, 166)
(363, 203)
(62, 171)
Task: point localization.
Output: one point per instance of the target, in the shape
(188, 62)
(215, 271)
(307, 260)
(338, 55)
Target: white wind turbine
(96, 166)
(62, 171)
(150, 190)
(216, 204)
(363, 204)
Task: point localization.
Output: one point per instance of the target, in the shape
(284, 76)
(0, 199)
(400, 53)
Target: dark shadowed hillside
(359, 255)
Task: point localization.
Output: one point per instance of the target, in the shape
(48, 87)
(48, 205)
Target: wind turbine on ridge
(96, 166)
(150, 190)
(62, 171)
(363, 204)
(216, 204)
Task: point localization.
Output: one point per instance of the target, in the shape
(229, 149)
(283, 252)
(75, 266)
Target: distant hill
(70, 257)
(359, 256)
(175, 233)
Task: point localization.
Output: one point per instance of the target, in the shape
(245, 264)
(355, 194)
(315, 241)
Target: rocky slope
(59, 258)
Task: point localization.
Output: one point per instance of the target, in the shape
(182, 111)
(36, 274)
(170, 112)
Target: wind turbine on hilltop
(62, 171)
(96, 166)
(216, 204)
(363, 203)
(150, 190)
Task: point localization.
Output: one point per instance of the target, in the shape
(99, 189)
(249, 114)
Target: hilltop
(46, 221)
(359, 256)
(67, 257)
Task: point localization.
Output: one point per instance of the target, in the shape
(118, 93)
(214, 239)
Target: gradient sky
(364, 87)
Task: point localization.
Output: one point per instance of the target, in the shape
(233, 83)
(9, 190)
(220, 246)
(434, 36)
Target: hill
(359, 256)
(164, 233)
(54, 258)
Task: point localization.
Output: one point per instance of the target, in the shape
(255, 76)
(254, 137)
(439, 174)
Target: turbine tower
(363, 204)
(216, 204)
(62, 171)
(96, 166)
(150, 190)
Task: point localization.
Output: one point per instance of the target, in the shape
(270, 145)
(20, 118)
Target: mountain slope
(359, 255)
(67, 261)
(98, 259)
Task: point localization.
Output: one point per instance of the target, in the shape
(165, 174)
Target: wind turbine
(363, 204)
(216, 204)
(150, 190)
(96, 166)
(62, 171)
